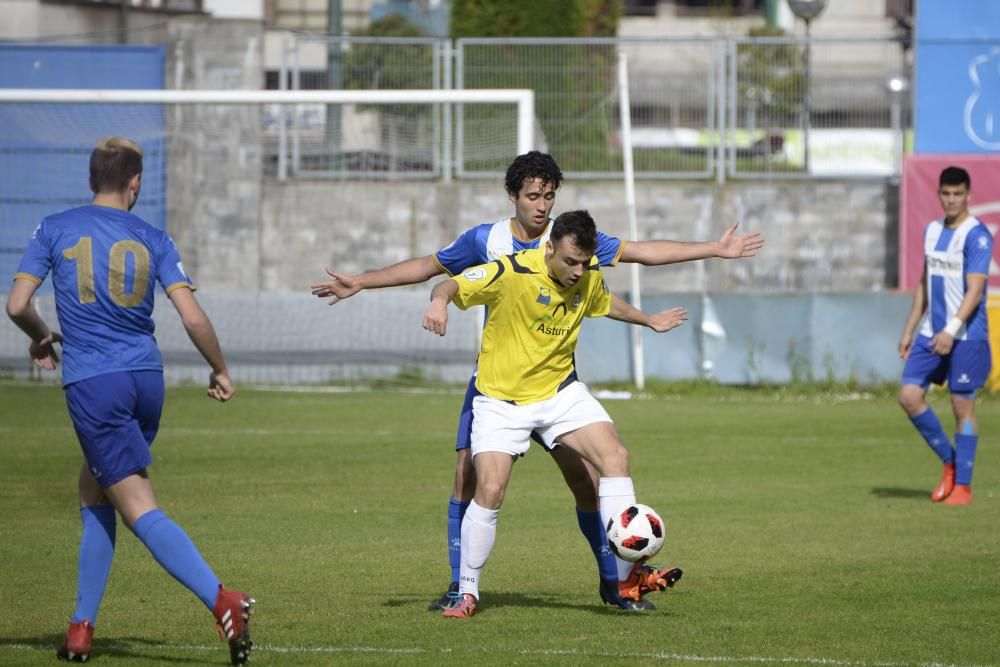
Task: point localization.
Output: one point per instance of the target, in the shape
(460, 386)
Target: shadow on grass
(541, 601)
(118, 648)
(895, 492)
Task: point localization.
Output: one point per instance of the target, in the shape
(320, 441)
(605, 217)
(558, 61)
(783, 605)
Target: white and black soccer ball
(636, 533)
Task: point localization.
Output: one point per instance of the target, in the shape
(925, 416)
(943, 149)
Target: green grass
(801, 521)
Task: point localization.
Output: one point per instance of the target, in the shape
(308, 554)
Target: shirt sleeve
(461, 254)
(480, 285)
(609, 249)
(37, 260)
(978, 251)
(169, 268)
(599, 303)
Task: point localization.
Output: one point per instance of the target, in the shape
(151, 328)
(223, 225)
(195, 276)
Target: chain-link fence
(700, 108)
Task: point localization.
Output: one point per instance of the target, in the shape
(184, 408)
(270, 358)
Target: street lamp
(897, 85)
(807, 10)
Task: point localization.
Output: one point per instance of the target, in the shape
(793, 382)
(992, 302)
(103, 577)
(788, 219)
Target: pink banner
(919, 206)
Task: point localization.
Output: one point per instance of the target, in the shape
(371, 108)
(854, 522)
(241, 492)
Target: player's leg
(966, 440)
(461, 496)
(970, 367)
(500, 434)
(130, 405)
(584, 426)
(97, 550)
(101, 410)
(923, 367)
(479, 528)
(582, 479)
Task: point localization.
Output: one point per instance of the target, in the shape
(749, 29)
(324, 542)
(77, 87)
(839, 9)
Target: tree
(573, 83)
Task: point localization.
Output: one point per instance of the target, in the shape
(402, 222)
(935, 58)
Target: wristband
(953, 326)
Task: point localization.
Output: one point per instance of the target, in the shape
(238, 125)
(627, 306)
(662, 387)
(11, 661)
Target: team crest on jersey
(576, 301)
(983, 242)
(477, 273)
(544, 296)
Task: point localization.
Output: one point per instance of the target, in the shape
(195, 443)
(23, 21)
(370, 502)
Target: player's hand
(732, 246)
(666, 320)
(43, 354)
(220, 386)
(341, 287)
(942, 343)
(905, 345)
(436, 318)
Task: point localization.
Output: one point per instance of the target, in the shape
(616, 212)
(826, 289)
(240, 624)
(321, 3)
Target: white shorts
(500, 426)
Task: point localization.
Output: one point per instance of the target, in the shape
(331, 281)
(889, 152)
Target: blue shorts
(116, 416)
(464, 439)
(966, 368)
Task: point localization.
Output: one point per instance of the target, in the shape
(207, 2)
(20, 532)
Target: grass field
(802, 523)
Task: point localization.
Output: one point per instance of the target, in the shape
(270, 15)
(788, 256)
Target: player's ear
(549, 249)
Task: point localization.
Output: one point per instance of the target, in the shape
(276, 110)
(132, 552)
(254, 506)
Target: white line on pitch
(676, 657)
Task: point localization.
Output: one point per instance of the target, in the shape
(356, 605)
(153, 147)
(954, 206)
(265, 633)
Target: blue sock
(173, 549)
(929, 426)
(97, 550)
(456, 512)
(593, 529)
(965, 456)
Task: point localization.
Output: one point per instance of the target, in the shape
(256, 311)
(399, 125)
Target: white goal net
(212, 161)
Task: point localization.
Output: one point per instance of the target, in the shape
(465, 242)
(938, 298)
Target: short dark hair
(955, 176)
(113, 163)
(580, 226)
(531, 165)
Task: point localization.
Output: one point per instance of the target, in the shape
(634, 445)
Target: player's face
(954, 200)
(565, 261)
(532, 205)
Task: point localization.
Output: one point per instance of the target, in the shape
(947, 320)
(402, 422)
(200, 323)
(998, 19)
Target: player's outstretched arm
(23, 314)
(436, 315)
(729, 246)
(661, 322)
(201, 332)
(344, 286)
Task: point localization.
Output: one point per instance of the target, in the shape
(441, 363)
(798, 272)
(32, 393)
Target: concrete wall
(821, 237)
(214, 180)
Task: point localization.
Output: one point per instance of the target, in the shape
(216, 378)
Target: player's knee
(615, 462)
(910, 398)
(490, 494)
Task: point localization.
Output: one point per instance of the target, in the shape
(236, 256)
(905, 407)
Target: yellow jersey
(533, 324)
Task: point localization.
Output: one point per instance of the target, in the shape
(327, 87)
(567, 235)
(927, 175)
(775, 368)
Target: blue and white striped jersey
(951, 255)
(492, 240)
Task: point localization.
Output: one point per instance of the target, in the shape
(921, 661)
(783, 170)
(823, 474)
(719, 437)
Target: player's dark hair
(531, 165)
(580, 226)
(955, 176)
(113, 163)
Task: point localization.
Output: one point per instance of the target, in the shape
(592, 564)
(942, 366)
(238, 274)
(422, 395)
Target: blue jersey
(951, 255)
(493, 240)
(104, 262)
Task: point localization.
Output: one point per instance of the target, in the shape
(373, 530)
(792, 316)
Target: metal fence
(743, 108)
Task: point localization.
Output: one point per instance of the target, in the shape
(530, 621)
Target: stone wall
(821, 237)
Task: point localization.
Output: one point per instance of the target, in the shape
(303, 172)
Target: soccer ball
(636, 533)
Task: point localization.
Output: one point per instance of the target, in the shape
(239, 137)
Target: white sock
(616, 493)
(479, 533)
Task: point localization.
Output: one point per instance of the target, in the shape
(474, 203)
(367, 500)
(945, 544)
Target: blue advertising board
(45, 148)
(957, 70)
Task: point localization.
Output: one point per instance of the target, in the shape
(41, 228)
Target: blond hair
(113, 164)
